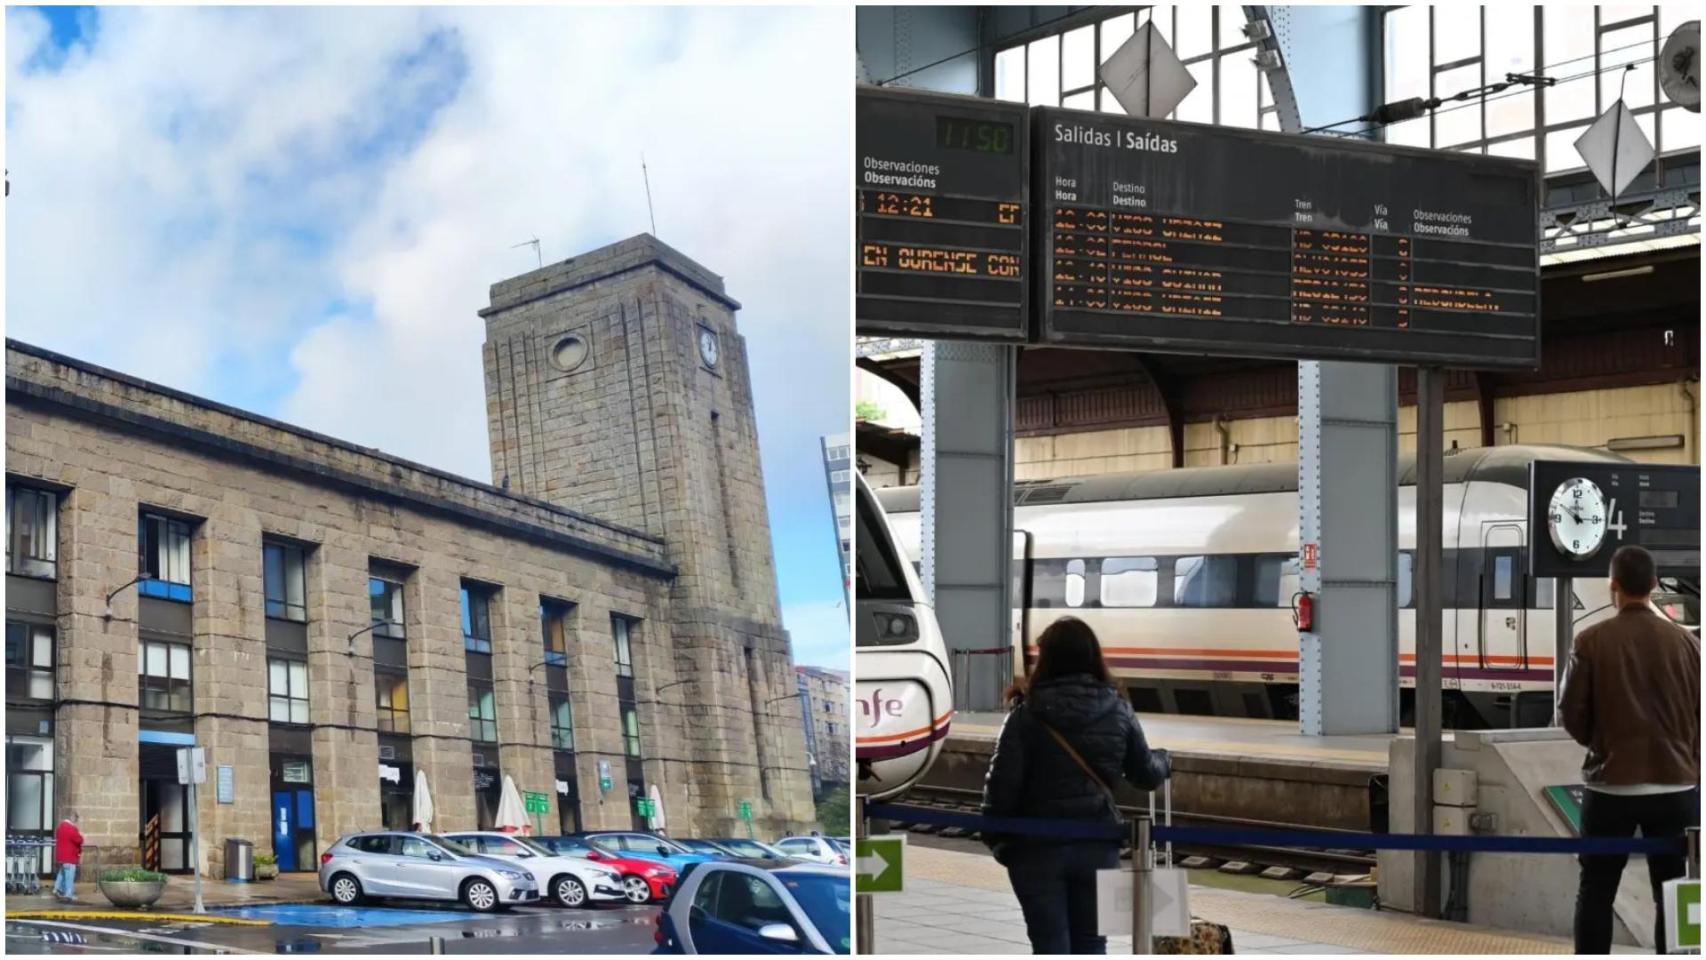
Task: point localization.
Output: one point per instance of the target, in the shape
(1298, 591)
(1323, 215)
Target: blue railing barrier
(1307, 839)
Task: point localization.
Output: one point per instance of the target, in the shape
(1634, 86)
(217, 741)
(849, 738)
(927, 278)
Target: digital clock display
(943, 233)
(983, 136)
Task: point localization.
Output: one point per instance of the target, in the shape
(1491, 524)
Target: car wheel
(480, 895)
(569, 892)
(346, 890)
(637, 889)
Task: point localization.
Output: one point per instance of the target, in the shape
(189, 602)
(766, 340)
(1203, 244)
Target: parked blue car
(757, 907)
(647, 845)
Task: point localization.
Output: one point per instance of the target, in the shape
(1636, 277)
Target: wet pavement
(326, 928)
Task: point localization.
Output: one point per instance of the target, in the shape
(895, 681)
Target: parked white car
(814, 848)
(571, 881)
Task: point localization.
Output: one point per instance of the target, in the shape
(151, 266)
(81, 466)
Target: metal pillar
(1143, 875)
(865, 941)
(1430, 526)
(1347, 458)
(1563, 640)
(966, 508)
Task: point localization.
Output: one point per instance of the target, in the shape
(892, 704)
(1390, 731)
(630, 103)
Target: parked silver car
(571, 881)
(421, 866)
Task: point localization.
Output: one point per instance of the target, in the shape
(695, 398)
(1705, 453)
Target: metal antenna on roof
(644, 175)
(534, 243)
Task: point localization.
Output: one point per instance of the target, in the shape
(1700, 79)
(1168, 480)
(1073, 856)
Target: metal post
(1563, 640)
(867, 921)
(195, 843)
(1693, 834)
(1143, 875)
(1430, 525)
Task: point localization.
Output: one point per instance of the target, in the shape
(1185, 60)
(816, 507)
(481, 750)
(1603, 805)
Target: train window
(1205, 581)
(1276, 580)
(1129, 581)
(1503, 565)
(1542, 593)
(1075, 583)
(879, 573)
(1406, 578)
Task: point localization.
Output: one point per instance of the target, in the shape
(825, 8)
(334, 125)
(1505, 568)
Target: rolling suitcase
(1205, 937)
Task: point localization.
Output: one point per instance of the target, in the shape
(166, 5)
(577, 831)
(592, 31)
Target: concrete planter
(132, 893)
(266, 871)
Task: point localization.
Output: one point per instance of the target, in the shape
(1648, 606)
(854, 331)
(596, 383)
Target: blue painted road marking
(317, 915)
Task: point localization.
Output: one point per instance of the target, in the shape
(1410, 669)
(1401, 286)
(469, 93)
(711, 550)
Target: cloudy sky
(298, 211)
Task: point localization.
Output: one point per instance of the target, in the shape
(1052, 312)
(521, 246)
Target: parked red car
(643, 880)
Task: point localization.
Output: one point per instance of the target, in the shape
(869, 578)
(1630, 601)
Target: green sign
(879, 864)
(1682, 915)
(604, 781)
(1567, 800)
(645, 806)
(746, 809)
(536, 802)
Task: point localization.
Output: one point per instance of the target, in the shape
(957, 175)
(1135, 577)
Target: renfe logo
(877, 709)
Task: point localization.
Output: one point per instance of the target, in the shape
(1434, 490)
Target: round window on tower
(569, 353)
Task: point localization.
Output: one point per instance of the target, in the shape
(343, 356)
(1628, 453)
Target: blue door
(283, 830)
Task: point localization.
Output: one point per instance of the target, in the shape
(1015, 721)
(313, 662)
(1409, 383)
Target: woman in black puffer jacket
(1068, 697)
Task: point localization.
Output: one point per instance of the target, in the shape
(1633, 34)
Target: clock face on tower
(1576, 518)
(708, 347)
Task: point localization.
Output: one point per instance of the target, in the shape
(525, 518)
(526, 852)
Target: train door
(1503, 632)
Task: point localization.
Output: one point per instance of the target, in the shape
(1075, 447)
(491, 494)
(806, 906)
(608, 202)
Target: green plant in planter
(266, 866)
(130, 875)
(265, 859)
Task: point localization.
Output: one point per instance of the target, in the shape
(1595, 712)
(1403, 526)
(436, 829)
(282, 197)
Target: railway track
(1338, 861)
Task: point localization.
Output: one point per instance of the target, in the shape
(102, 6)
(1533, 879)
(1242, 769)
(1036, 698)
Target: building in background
(837, 467)
(824, 708)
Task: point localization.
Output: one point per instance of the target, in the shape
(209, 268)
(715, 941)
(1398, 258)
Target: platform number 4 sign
(1682, 916)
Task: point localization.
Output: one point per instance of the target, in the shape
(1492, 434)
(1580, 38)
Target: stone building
(824, 693)
(600, 623)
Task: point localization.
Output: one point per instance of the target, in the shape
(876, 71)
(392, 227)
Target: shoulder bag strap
(1090, 771)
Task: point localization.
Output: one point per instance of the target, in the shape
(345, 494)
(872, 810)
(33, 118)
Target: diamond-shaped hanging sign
(1146, 76)
(1615, 149)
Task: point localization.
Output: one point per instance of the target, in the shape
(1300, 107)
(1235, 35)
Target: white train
(904, 693)
(1188, 578)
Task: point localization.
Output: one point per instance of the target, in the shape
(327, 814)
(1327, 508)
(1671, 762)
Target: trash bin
(239, 860)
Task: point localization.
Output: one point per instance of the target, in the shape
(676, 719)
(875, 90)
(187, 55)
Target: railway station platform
(958, 901)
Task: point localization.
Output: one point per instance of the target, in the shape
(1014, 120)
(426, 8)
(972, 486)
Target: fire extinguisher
(1303, 612)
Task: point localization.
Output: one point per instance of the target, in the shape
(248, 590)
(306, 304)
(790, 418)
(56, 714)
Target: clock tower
(617, 386)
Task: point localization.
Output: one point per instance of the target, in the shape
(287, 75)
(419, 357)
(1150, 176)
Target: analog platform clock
(708, 347)
(1576, 518)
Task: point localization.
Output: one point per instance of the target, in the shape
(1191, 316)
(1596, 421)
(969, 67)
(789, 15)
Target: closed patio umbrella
(423, 803)
(511, 816)
(657, 810)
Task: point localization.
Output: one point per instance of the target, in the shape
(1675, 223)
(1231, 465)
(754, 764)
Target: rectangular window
(1205, 581)
(482, 712)
(476, 618)
(29, 661)
(165, 558)
(554, 623)
(163, 676)
(385, 598)
(391, 699)
(1406, 578)
(562, 723)
(1129, 581)
(1276, 580)
(287, 691)
(32, 532)
(621, 628)
(283, 567)
(630, 730)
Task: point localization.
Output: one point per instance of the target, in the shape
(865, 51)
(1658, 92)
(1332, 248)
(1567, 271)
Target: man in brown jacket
(1632, 697)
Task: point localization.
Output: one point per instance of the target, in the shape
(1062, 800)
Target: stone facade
(826, 699)
(621, 498)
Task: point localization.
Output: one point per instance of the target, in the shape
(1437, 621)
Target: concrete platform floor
(960, 903)
(1228, 737)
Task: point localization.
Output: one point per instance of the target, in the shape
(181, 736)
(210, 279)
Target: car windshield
(670, 845)
(747, 848)
(826, 901)
(698, 846)
(450, 845)
(535, 846)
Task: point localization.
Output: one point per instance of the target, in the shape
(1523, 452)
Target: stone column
(340, 677)
(518, 642)
(438, 694)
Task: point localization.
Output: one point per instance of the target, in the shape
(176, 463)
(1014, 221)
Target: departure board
(943, 237)
(1184, 238)
(1656, 506)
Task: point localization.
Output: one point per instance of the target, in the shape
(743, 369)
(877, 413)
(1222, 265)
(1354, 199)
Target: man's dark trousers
(1657, 816)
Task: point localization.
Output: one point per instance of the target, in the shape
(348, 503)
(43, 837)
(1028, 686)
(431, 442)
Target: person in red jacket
(67, 850)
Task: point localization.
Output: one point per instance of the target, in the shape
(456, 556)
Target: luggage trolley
(24, 863)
